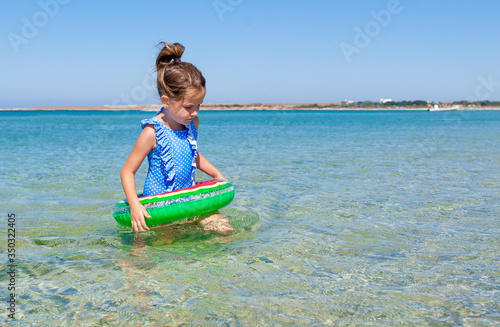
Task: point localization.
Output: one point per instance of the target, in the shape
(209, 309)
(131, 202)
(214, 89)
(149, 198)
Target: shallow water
(342, 218)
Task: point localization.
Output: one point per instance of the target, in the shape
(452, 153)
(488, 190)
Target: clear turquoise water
(342, 218)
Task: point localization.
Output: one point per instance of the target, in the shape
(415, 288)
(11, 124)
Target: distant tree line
(406, 104)
(317, 106)
(390, 104)
(416, 104)
(478, 103)
(371, 104)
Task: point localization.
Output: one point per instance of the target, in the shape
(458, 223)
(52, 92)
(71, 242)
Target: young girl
(169, 140)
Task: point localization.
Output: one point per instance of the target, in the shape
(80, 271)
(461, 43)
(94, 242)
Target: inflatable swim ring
(204, 197)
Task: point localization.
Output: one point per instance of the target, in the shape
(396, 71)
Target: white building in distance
(382, 100)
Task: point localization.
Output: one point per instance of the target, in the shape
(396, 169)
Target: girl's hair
(175, 77)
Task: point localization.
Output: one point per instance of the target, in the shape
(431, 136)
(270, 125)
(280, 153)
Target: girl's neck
(168, 121)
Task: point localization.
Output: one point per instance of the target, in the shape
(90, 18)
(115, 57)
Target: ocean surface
(342, 218)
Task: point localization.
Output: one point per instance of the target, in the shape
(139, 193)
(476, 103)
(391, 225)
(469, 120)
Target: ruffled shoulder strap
(152, 121)
(192, 130)
(165, 151)
(149, 121)
(192, 137)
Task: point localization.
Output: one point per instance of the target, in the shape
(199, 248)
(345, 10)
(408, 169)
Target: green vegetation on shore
(317, 106)
(478, 103)
(368, 105)
(419, 104)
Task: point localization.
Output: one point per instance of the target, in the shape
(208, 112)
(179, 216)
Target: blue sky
(75, 52)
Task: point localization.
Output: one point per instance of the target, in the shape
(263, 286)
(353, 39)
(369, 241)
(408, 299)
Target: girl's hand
(220, 176)
(137, 214)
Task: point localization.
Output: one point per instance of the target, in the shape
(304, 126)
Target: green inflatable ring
(204, 197)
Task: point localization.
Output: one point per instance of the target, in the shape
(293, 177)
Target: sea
(342, 218)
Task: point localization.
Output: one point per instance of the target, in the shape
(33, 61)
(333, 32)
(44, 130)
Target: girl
(169, 140)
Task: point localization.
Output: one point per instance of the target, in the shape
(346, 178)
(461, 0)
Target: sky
(91, 53)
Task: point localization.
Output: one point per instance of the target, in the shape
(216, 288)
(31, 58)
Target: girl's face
(183, 111)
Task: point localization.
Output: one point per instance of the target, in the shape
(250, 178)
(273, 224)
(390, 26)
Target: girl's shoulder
(147, 138)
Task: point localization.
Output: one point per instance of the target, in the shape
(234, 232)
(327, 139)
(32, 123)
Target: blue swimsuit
(172, 162)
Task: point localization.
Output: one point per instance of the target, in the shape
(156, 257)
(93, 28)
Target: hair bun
(174, 78)
(169, 53)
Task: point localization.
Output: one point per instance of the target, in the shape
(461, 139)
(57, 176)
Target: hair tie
(177, 59)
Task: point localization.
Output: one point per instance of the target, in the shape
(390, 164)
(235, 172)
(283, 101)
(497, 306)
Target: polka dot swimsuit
(172, 162)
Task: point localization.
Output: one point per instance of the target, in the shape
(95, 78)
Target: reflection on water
(341, 218)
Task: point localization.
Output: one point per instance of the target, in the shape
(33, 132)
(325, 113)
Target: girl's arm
(203, 164)
(144, 144)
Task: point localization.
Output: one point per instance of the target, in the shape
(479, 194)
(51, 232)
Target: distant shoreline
(237, 106)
